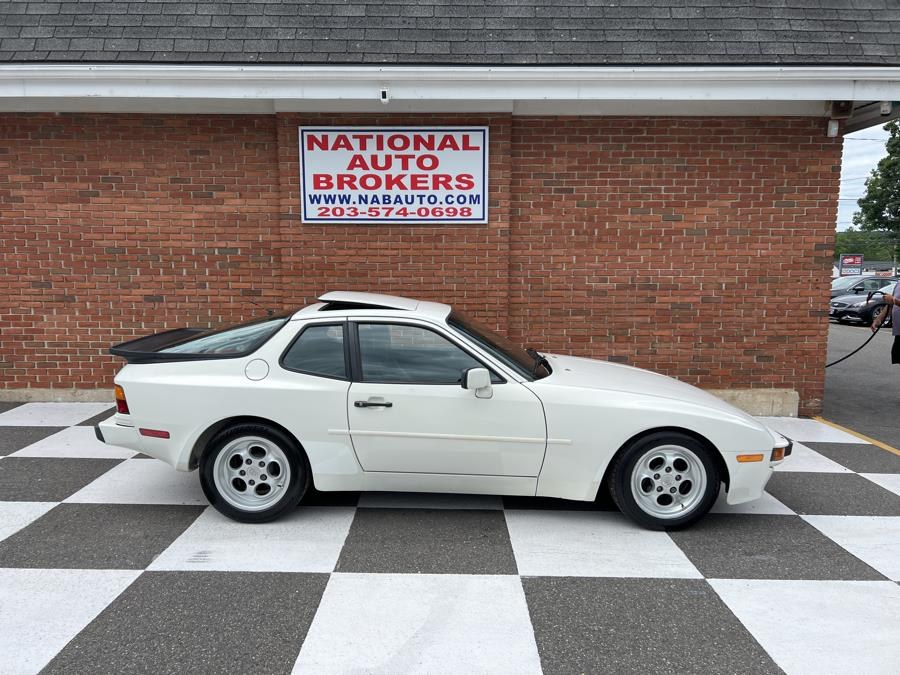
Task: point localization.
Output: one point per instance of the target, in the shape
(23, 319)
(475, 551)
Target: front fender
(593, 425)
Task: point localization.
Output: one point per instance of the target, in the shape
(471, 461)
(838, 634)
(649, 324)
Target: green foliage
(873, 245)
(879, 208)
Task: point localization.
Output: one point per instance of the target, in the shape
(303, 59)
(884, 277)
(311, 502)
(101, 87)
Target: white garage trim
(522, 90)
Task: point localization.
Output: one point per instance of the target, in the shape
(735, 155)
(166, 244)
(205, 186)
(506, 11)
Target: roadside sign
(851, 263)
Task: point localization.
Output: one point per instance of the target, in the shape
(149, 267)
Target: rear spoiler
(147, 349)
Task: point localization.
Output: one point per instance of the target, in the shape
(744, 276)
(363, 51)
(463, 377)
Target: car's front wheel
(253, 473)
(665, 481)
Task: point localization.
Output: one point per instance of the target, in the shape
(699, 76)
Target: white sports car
(374, 392)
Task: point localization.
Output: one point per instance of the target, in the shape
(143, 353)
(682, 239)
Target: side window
(318, 351)
(410, 354)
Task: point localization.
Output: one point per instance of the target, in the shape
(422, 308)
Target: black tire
(291, 494)
(624, 466)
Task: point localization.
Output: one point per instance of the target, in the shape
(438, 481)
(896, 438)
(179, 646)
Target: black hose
(874, 333)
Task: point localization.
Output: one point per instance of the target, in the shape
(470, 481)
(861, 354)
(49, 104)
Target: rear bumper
(113, 432)
(120, 435)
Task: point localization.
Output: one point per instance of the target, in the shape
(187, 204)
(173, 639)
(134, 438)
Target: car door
(408, 412)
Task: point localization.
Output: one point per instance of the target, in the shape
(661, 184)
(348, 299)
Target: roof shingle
(461, 32)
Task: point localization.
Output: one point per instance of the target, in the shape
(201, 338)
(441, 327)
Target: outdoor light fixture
(385, 96)
(833, 127)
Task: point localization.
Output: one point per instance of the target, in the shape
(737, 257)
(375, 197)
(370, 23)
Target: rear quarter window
(318, 350)
(232, 341)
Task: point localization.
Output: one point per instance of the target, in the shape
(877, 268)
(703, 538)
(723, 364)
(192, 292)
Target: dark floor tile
(16, 438)
(45, 479)
(428, 541)
(603, 503)
(315, 498)
(859, 457)
(204, 622)
(97, 536)
(99, 417)
(591, 625)
(832, 494)
(9, 405)
(766, 547)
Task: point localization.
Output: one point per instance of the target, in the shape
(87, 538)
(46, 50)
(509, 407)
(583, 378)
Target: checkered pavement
(112, 562)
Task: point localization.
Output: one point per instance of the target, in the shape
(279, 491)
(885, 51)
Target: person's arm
(879, 319)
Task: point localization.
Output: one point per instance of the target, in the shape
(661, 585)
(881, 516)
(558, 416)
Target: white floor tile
(889, 481)
(309, 539)
(41, 610)
(807, 459)
(16, 515)
(806, 430)
(410, 623)
(51, 414)
(142, 481)
(767, 504)
(820, 626)
(591, 544)
(420, 500)
(874, 540)
(74, 442)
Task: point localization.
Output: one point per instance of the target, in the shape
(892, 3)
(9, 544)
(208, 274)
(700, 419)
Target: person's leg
(895, 350)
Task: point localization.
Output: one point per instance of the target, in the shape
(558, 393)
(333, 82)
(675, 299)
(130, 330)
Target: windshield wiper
(539, 360)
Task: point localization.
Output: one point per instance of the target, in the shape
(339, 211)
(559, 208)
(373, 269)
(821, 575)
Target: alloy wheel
(668, 481)
(251, 473)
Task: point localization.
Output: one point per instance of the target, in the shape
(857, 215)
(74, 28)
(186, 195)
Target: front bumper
(846, 313)
(747, 481)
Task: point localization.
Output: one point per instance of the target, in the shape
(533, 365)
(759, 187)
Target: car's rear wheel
(665, 481)
(253, 473)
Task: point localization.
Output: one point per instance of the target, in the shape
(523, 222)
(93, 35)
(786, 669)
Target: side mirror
(858, 289)
(479, 380)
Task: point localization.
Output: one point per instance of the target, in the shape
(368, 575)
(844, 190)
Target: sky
(862, 150)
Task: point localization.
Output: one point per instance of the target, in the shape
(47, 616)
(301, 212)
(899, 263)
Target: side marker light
(154, 433)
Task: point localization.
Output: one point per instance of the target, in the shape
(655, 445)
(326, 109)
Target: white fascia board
(282, 85)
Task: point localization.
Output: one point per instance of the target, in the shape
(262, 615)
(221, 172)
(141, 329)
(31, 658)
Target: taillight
(121, 403)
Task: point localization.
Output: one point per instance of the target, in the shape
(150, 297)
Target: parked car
(859, 308)
(859, 284)
(363, 391)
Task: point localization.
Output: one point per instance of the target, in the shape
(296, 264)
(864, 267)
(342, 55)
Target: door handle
(372, 404)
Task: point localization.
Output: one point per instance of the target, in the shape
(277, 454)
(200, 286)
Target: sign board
(394, 174)
(851, 263)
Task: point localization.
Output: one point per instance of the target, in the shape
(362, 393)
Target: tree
(872, 245)
(879, 208)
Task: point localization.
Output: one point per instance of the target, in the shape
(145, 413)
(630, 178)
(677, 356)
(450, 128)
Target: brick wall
(697, 247)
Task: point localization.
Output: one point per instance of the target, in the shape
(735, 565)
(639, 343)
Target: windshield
(241, 339)
(845, 282)
(504, 350)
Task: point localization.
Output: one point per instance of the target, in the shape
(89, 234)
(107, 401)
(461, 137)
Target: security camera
(385, 96)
